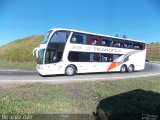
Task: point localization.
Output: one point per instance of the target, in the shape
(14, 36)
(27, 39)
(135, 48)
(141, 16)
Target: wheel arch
(124, 65)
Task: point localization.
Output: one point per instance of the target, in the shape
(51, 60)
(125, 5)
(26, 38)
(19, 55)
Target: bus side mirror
(35, 51)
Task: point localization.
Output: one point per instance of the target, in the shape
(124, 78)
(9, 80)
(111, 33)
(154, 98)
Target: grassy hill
(18, 54)
(153, 52)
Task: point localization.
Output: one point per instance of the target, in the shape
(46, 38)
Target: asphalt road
(8, 77)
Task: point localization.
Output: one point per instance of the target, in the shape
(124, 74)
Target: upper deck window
(138, 45)
(128, 44)
(118, 43)
(106, 42)
(90, 39)
(79, 38)
(96, 40)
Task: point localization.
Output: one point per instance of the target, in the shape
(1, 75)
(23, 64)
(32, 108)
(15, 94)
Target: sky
(138, 19)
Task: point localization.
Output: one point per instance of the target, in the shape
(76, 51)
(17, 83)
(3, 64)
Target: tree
(116, 35)
(124, 36)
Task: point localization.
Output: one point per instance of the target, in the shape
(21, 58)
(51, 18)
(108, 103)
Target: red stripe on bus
(89, 39)
(112, 65)
(99, 40)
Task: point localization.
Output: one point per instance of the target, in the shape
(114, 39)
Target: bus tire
(70, 70)
(130, 68)
(123, 68)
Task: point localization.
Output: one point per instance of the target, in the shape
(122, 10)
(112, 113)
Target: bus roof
(79, 31)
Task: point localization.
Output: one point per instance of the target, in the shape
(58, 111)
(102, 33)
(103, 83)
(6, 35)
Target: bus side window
(126, 59)
(94, 40)
(84, 39)
(59, 56)
(95, 57)
(78, 56)
(103, 42)
(136, 46)
(99, 40)
(125, 45)
(128, 44)
(73, 56)
(117, 43)
(106, 42)
(77, 39)
(104, 58)
(115, 56)
(73, 40)
(89, 39)
(142, 46)
(84, 57)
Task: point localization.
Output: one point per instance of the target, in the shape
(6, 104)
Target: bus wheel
(130, 68)
(123, 68)
(70, 70)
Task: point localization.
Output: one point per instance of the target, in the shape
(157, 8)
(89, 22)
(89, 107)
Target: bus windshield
(45, 39)
(40, 56)
(60, 37)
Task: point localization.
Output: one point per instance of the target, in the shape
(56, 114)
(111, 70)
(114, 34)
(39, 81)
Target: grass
(77, 98)
(153, 52)
(18, 54)
(7, 65)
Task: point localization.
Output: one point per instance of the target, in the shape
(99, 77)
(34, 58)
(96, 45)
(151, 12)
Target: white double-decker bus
(66, 51)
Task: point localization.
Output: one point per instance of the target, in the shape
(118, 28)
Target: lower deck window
(91, 57)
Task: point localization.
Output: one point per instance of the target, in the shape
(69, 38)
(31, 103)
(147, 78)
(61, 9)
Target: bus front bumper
(40, 69)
